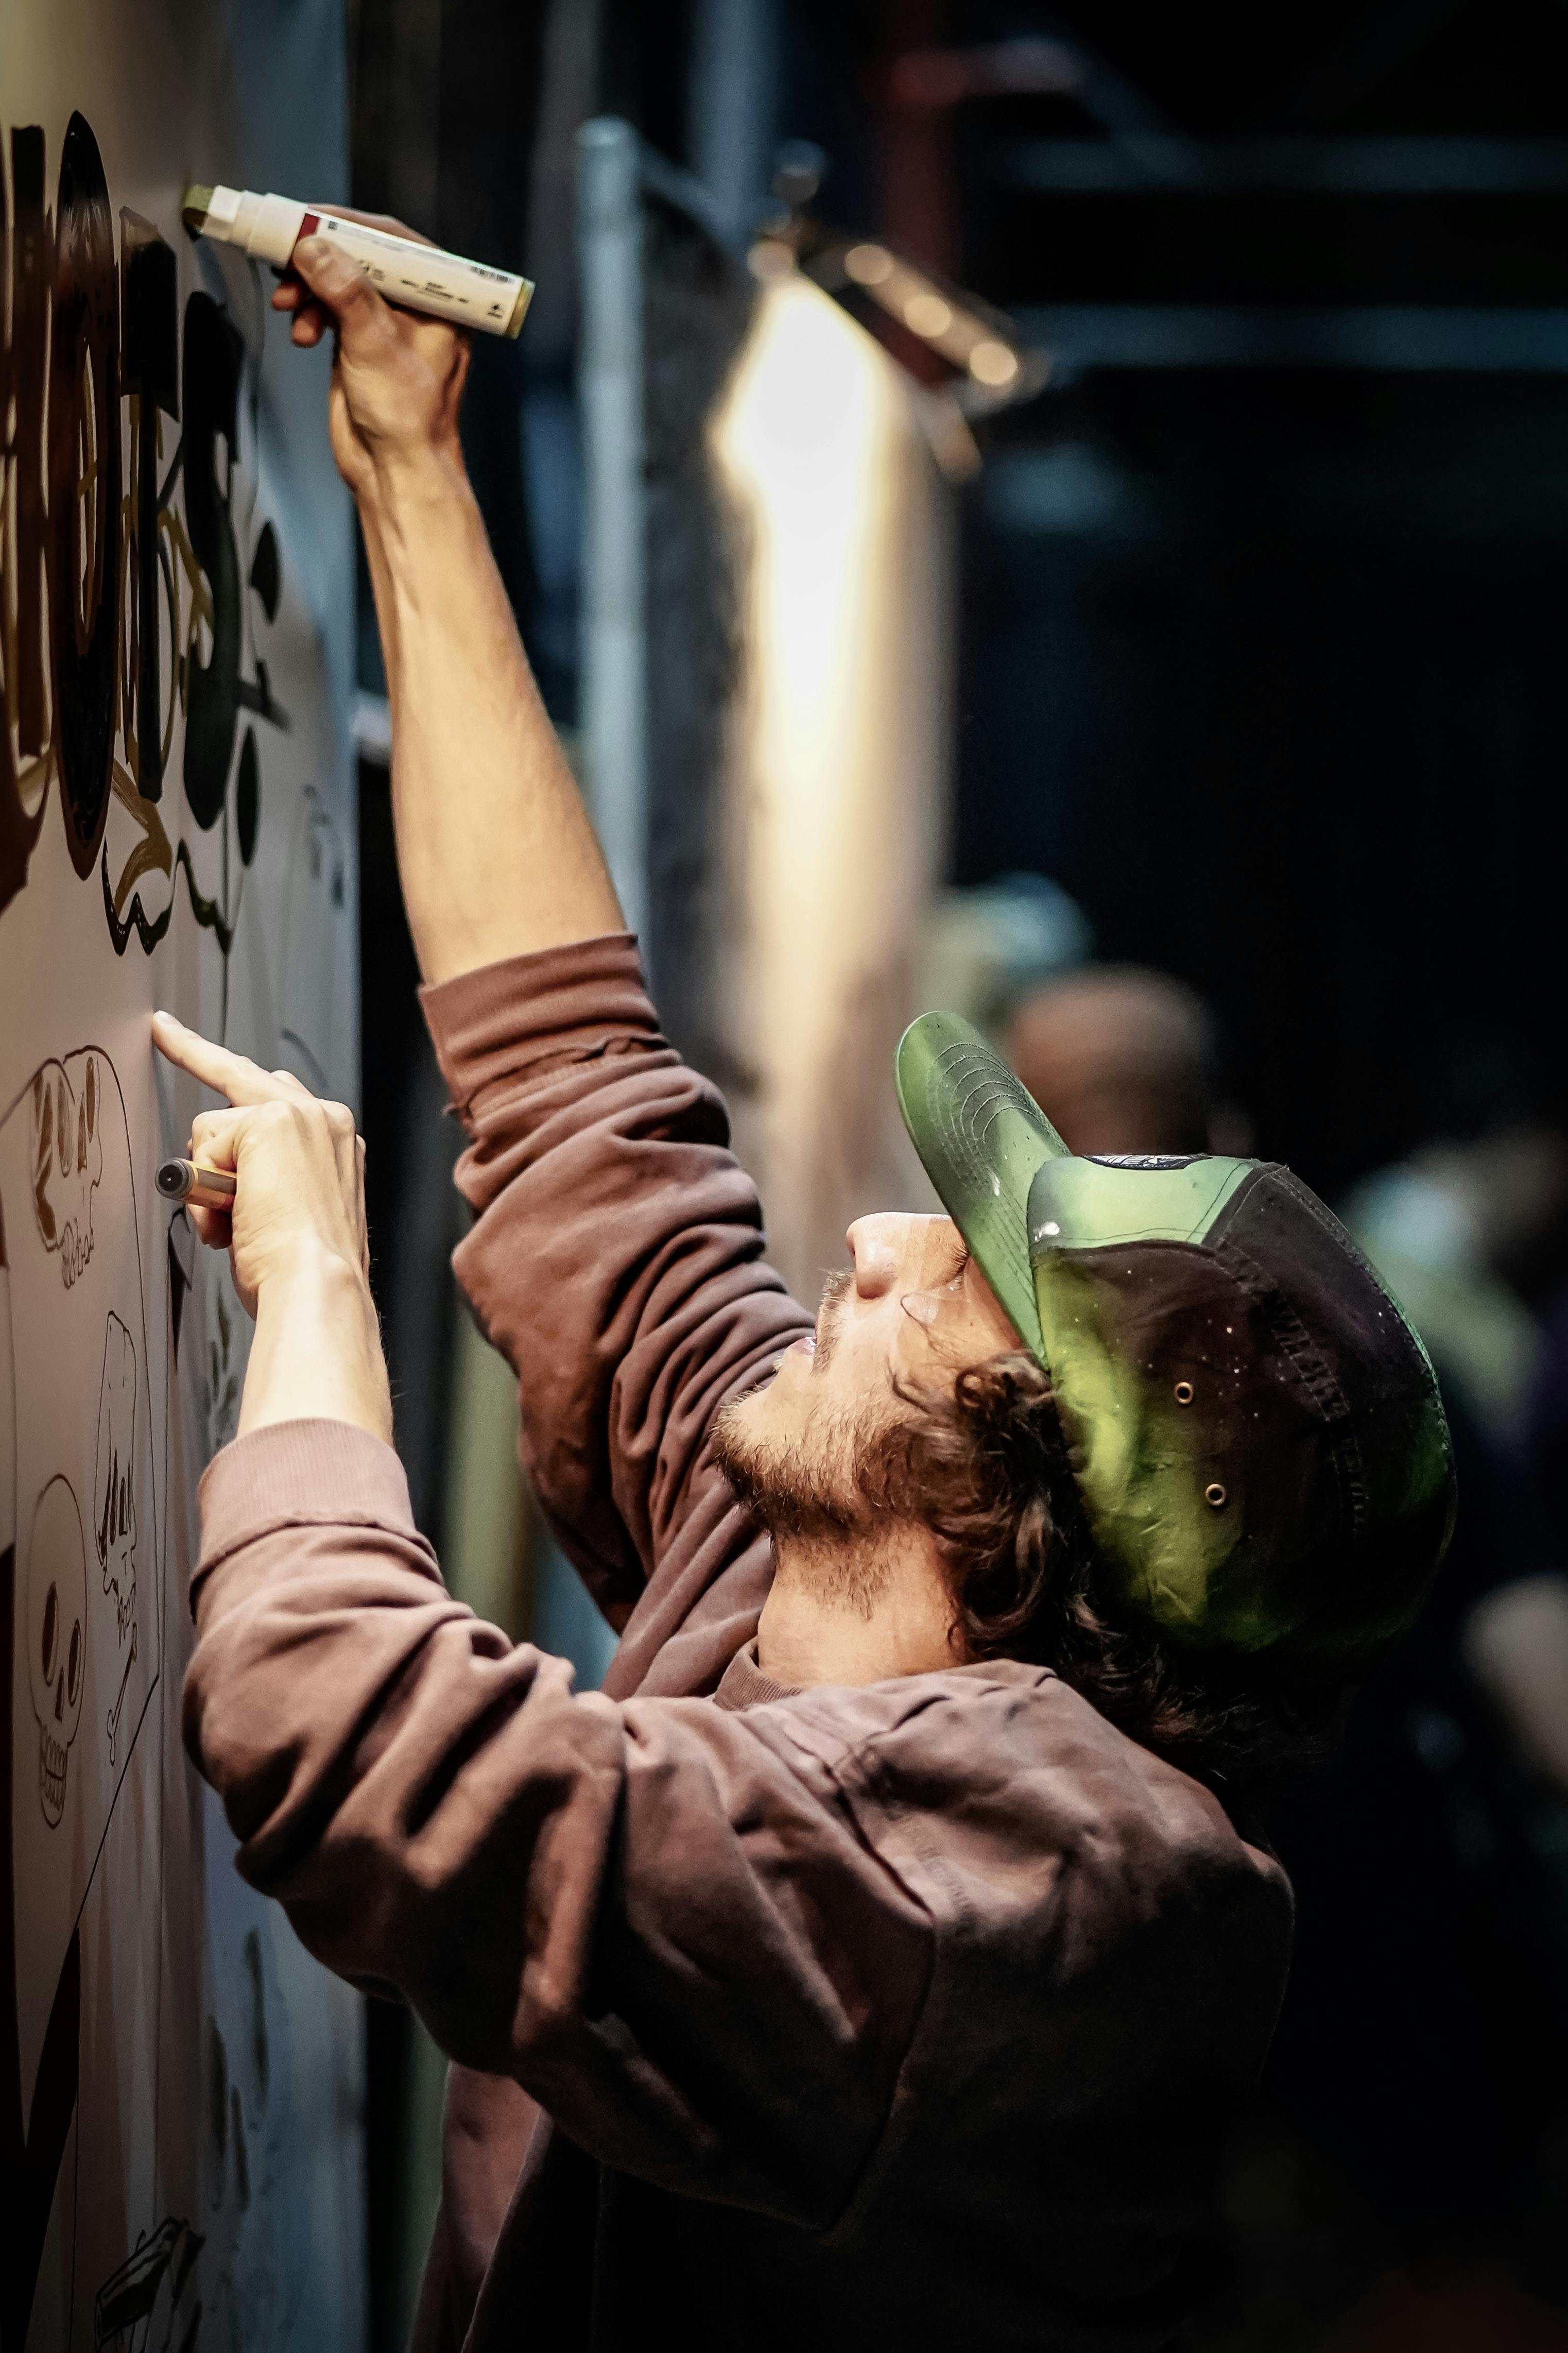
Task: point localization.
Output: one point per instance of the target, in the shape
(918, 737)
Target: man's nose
(898, 1246)
(875, 1251)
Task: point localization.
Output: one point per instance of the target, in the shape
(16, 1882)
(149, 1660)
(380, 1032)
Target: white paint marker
(419, 277)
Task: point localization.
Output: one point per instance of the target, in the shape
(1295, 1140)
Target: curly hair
(985, 1465)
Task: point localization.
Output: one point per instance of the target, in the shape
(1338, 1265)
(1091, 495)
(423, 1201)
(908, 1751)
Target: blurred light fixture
(990, 367)
(867, 265)
(929, 315)
(771, 257)
(840, 733)
(991, 362)
(803, 436)
(799, 168)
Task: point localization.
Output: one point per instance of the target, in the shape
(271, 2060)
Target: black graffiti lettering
(84, 491)
(136, 923)
(31, 284)
(214, 358)
(19, 831)
(248, 798)
(150, 374)
(25, 273)
(267, 572)
(92, 582)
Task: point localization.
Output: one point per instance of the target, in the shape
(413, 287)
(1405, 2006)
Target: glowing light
(771, 257)
(993, 363)
(927, 314)
(868, 265)
(839, 746)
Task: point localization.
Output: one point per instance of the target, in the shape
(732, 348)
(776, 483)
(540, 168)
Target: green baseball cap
(1253, 1426)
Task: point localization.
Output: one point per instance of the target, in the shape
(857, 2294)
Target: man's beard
(822, 1484)
(812, 1483)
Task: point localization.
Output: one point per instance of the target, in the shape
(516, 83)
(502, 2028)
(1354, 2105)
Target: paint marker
(419, 277)
(199, 1188)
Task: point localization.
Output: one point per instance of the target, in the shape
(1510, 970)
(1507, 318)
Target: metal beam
(1394, 338)
(610, 388)
(735, 65)
(1397, 166)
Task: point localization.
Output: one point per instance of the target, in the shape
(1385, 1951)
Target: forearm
(494, 846)
(316, 1354)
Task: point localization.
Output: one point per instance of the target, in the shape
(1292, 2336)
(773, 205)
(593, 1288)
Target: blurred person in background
(1126, 1060)
(1472, 1232)
(1424, 2040)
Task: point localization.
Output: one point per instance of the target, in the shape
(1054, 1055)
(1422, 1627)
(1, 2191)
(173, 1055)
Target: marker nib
(194, 207)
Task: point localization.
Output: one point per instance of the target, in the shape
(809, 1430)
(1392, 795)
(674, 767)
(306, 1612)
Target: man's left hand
(296, 1235)
(298, 1165)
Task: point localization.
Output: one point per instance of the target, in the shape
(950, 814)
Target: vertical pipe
(734, 76)
(610, 389)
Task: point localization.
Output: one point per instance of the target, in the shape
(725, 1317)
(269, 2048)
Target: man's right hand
(397, 377)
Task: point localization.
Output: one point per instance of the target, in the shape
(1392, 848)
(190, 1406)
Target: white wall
(179, 2084)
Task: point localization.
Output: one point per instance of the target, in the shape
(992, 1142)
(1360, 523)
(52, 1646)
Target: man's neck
(858, 1612)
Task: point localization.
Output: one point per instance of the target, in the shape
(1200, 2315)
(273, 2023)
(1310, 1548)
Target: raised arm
(494, 846)
(617, 1256)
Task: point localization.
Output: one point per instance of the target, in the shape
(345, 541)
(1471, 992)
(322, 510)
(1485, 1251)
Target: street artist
(881, 1957)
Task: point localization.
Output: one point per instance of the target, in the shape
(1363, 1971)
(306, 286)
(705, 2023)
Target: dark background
(1259, 660)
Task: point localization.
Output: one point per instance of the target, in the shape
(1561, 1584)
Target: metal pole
(610, 388)
(734, 69)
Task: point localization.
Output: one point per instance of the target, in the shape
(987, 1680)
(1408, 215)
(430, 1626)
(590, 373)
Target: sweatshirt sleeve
(663, 1923)
(616, 1253)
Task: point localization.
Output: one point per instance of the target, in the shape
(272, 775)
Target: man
(863, 1962)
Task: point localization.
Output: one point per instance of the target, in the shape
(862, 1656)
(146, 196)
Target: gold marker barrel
(197, 1187)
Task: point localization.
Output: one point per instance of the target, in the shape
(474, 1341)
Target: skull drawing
(57, 1636)
(114, 1495)
(68, 1158)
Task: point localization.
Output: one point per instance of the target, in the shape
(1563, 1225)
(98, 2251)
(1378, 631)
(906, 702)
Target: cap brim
(981, 1137)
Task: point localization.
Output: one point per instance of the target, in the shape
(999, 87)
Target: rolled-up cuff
(297, 1474)
(560, 1004)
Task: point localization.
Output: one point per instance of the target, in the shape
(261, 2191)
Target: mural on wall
(83, 1535)
(178, 2083)
(108, 567)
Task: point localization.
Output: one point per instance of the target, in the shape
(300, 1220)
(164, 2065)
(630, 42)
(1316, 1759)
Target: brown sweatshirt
(909, 2015)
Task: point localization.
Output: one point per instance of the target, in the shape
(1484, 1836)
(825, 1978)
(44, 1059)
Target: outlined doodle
(182, 1251)
(141, 2307)
(111, 1721)
(113, 1489)
(56, 1577)
(82, 1443)
(33, 2135)
(67, 1159)
(315, 902)
(81, 1439)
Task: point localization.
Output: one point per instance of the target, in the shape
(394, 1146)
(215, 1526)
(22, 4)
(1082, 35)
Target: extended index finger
(227, 1074)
